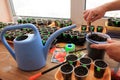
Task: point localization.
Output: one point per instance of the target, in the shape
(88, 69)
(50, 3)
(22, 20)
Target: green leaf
(84, 65)
(98, 68)
(70, 62)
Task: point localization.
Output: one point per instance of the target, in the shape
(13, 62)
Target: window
(95, 3)
(42, 8)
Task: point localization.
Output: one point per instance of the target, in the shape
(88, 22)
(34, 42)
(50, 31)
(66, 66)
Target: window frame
(76, 14)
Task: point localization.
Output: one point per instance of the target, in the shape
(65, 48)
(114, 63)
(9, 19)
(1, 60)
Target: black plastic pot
(99, 28)
(99, 68)
(72, 59)
(91, 28)
(86, 62)
(81, 39)
(66, 70)
(83, 27)
(96, 38)
(80, 73)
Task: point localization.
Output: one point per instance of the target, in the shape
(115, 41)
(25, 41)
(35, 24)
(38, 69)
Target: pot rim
(84, 68)
(86, 58)
(97, 42)
(101, 60)
(67, 72)
(73, 55)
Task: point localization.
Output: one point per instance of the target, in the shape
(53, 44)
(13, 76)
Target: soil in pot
(97, 37)
(86, 62)
(80, 72)
(72, 59)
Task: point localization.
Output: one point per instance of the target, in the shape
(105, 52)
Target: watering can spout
(53, 36)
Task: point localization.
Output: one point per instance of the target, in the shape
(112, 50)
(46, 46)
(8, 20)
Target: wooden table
(16, 74)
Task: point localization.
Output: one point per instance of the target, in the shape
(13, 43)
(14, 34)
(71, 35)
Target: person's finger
(85, 11)
(99, 46)
(94, 18)
(88, 23)
(86, 15)
(90, 15)
(111, 41)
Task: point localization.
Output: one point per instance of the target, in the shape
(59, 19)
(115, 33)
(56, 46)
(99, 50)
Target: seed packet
(59, 55)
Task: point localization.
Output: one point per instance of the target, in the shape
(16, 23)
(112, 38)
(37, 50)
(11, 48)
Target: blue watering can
(29, 52)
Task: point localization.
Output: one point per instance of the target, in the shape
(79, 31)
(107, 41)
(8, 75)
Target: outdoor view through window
(95, 3)
(42, 8)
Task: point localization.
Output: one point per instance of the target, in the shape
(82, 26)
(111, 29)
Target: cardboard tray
(107, 75)
(112, 28)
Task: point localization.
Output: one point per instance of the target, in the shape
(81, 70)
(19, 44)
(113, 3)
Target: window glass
(42, 8)
(94, 3)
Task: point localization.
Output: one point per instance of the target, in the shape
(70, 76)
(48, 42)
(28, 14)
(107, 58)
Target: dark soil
(66, 68)
(85, 60)
(81, 71)
(97, 37)
(101, 64)
(71, 58)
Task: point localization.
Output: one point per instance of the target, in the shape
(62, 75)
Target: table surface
(16, 74)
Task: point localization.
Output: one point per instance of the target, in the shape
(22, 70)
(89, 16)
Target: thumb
(111, 41)
(99, 46)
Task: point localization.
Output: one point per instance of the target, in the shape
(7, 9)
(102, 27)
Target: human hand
(112, 48)
(92, 15)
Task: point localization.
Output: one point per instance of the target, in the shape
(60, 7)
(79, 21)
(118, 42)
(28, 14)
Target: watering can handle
(13, 27)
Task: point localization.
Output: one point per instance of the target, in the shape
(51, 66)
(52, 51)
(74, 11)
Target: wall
(5, 13)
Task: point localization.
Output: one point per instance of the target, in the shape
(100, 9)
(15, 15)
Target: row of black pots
(34, 21)
(63, 23)
(92, 28)
(113, 22)
(48, 30)
(69, 36)
(81, 71)
(40, 22)
(2, 24)
(12, 34)
(76, 37)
